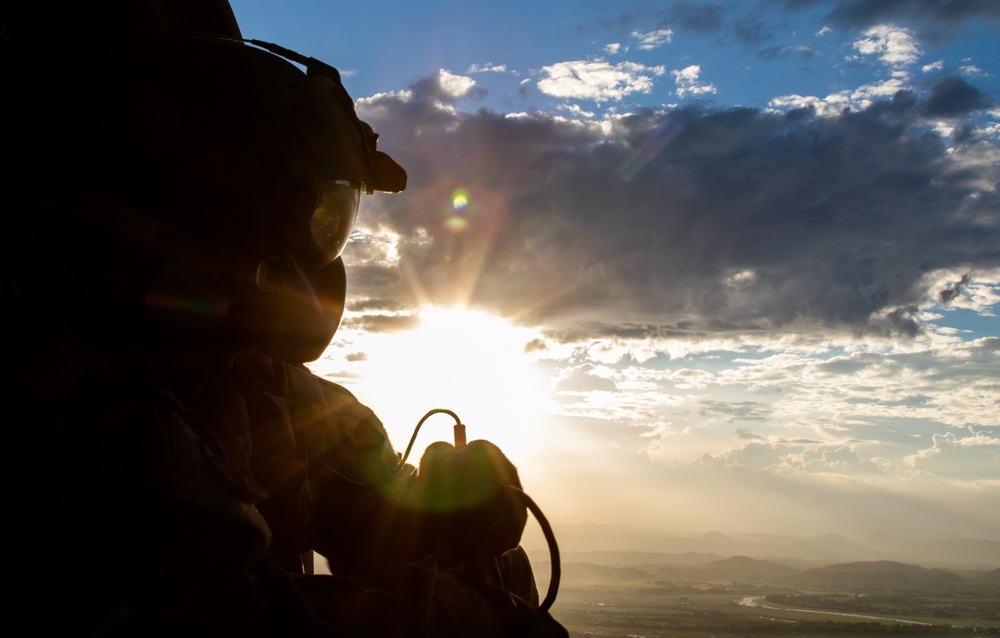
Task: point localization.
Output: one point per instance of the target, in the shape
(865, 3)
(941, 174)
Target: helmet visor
(333, 219)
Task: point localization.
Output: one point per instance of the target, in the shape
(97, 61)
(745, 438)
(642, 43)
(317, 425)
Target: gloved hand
(456, 507)
(467, 509)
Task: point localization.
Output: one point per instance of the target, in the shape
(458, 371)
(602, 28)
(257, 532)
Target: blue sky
(693, 265)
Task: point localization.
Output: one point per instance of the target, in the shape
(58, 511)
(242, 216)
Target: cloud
(933, 66)
(754, 455)
(440, 91)
(862, 11)
(953, 96)
(791, 459)
(489, 67)
(688, 84)
(934, 18)
(735, 410)
(652, 39)
(450, 86)
(973, 71)
(583, 379)
(953, 290)
(688, 15)
(597, 80)
(894, 46)
(950, 97)
(687, 221)
(576, 110)
(775, 52)
(968, 459)
(699, 17)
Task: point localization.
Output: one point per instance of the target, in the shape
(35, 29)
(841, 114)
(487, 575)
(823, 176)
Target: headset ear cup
(296, 320)
(331, 287)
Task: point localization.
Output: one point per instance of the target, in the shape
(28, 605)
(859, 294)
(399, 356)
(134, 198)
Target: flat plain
(618, 602)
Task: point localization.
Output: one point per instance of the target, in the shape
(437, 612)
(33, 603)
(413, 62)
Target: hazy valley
(619, 582)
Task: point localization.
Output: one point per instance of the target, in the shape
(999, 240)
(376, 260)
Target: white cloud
(489, 67)
(824, 31)
(971, 70)
(834, 104)
(597, 80)
(576, 110)
(653, 39)
(968, 459)
(933, 66)
(455, 86)
(688, 84)
(395, 96)
(894, 46)
(613, 49)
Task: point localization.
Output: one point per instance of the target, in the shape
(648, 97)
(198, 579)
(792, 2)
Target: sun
(466, 361)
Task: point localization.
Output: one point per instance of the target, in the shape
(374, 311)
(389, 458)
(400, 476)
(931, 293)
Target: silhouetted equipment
(150, 133)
(483, 457)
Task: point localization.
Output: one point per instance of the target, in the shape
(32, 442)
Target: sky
(693, 265)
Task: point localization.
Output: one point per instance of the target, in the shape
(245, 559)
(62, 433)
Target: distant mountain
(745, 568)
(991, 577)
(953, 551)
(632, 558)
(587, 571)
(734, 568)
(876, 575)
(650, 546)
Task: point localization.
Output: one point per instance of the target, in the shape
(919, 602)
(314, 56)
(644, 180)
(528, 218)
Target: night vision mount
(385, 175)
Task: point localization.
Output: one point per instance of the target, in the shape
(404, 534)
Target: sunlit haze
(468, 362)
(693, 266)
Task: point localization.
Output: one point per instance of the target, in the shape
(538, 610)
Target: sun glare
(469, 362)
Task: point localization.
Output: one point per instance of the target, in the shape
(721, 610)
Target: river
(751, 601)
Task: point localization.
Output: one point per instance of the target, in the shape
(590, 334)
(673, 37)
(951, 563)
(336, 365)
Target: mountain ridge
(663, 547)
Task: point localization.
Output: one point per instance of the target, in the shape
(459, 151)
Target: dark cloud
(695, 16)
(700, 17)
(535, 345)
(866, 12)
(953, 96)
(695, 220)
(724, 20)
(776, 52)
(899, 321)
(935, 18)
(751, 33)
(383, 323)
(948, 295)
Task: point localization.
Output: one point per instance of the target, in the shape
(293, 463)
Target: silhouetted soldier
(177, 201)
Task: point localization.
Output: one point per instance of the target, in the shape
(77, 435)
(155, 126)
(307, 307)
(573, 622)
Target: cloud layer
(689, 219)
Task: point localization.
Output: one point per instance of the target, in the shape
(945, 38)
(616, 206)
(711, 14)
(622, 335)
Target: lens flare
(459, 207)
(655, 141)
